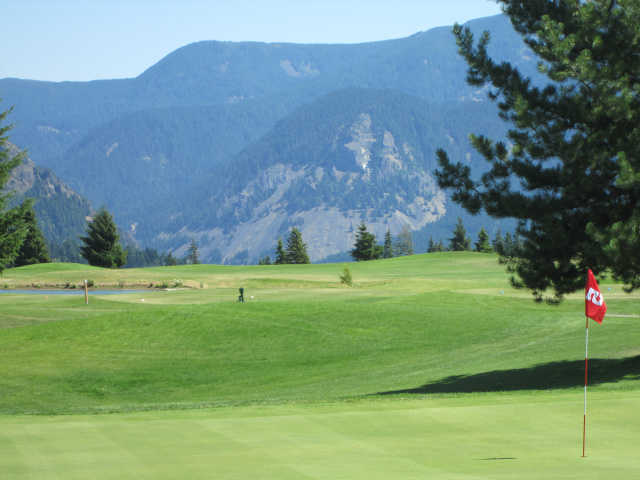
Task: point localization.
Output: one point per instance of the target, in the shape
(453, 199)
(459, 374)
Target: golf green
(521, 436)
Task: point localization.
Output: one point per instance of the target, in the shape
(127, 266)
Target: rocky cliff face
(359, 164)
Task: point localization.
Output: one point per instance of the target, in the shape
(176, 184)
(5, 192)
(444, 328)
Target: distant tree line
(366, 248)
(507, 246)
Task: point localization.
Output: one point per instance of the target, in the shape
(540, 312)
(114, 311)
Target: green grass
(430, 365)
(496, 436)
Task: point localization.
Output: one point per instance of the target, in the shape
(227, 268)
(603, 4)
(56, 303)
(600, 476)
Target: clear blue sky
(97, 39)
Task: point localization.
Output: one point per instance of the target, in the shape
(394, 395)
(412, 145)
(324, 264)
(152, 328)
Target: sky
(79, 40)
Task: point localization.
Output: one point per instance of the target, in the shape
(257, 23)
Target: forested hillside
(173, 151)
(352, 155)
(61, 212)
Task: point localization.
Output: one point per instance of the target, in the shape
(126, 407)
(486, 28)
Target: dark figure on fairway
(241, 296)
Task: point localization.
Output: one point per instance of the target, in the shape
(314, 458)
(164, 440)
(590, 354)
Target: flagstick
(586, 369)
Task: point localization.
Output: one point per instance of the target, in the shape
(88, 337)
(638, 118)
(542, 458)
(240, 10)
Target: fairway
(430, 366)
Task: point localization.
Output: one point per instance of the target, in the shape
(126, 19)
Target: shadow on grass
(564, 374)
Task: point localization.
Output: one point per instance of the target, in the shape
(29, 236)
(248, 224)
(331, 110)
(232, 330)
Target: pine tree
(365, 247)
(571, 174)
(12, 226)
(404, 242)
(34, 248)
(508, 245)
(102, 244)
(483, 245)
(193, 256)
(387, 250)
(296, 248)
(265, 261)
(170, 260)
(498, 243)
(435, 246)
(432, 246)
(459, 242)
(281, 255)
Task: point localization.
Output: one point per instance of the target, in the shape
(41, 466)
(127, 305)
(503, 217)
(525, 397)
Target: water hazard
(79, 291)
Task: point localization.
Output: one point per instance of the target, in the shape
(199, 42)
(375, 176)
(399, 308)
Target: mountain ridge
(368, 157)
(172, 151)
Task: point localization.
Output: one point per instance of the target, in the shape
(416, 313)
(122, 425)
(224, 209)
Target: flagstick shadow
(565, 374)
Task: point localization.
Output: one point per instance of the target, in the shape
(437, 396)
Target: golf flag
(594, 306)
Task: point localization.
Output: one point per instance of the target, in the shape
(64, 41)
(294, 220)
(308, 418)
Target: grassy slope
(435, 323)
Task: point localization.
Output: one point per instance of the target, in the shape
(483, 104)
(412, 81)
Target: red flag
(594, 306)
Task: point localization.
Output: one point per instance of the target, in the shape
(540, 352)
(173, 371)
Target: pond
(79, 291)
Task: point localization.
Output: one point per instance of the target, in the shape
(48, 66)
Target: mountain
(353, 155)
(52, 116)
(61, 212)
(201, 143)
(154, 156)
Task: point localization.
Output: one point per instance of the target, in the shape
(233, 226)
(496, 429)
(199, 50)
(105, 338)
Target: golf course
(428, 366)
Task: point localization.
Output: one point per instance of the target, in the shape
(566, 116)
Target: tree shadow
(565, 374)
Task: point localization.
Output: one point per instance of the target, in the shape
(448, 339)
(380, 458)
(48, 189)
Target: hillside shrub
(345, 277)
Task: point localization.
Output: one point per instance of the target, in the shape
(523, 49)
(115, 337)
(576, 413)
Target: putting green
(492, 436)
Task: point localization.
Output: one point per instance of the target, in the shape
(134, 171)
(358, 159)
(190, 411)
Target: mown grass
(492, 436)
(431, 366)
(410, 326)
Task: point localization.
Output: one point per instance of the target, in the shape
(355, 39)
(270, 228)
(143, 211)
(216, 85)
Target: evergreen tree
(147, 257)
(508, 245)
(12, 225)
(296, 248)
(265, 261)
(387, 250)
(193, 256)
(459, 242)
(170, 260)
(432, 246)
(571, 175)
(365, 247)
(281, 255)
(34, 248)
(483, 245)
(435, 246)
(498, 243)
(102, 244)
(404, 242)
